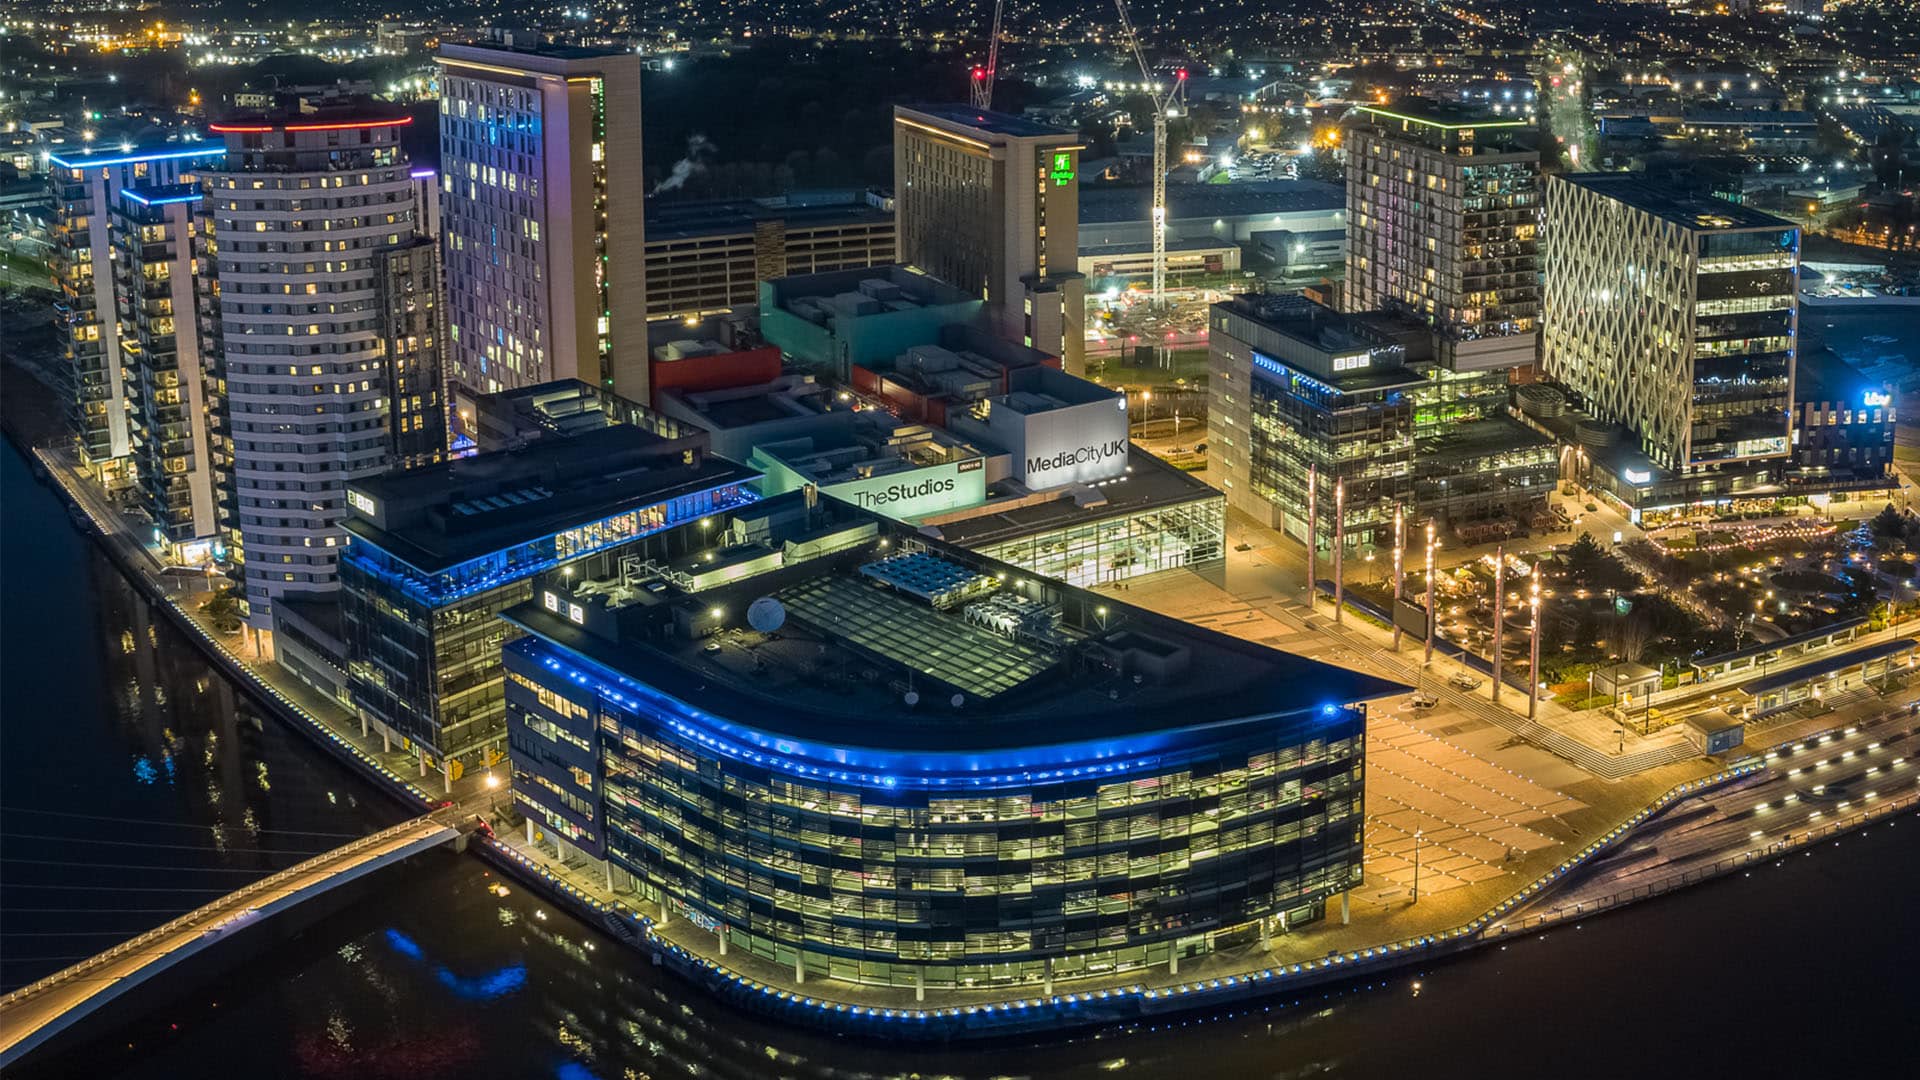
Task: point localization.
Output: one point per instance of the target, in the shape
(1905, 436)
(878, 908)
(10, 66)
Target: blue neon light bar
(87, 161)
(162, 200)
(869, 766)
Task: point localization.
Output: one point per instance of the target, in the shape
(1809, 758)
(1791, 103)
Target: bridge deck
(38, 1011)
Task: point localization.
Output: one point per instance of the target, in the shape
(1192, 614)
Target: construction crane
(1164, 105)
(983, 76)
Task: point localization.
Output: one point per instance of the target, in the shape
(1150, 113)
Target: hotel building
(991, 203)
(858, 753)
(543, 281)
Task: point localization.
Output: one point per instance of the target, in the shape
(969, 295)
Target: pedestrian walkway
(41, 1010)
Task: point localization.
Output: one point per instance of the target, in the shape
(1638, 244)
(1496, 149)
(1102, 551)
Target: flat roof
(1102, 204)
(723, 217)
(550, 51)
(1035, 662)
(995, 123)
(1801, 638)
(1148, 484)
(99, 156)
(1443, 115)
(468, 507)
(1702, 213)
(1828, 666)
(1478, 438)
(1819, 375)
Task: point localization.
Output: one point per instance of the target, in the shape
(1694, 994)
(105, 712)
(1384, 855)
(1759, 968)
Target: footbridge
(39, 1011)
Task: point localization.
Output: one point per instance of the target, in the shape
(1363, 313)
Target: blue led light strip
(144, 201)
(1070, 761)
(85, 162)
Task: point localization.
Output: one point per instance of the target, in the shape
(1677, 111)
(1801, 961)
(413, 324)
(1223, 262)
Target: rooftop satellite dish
(913, 697)
(958, 700)
(766, 615)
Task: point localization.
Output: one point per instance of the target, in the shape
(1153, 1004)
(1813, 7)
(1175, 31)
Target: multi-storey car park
(856, 752)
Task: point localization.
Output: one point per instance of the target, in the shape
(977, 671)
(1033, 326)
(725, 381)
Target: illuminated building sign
(1636, 476)
(360, 502)
(1873, 398)
(1062, 168)
(934, 490)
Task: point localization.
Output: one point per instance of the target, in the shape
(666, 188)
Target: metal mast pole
(1339, 546)
(1499, 614)
(1162, 105)
(1313, 530)
(1433, 617)
(1533, 668)
(1399, 567)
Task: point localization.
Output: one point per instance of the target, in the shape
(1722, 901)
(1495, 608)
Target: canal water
(1801, 969)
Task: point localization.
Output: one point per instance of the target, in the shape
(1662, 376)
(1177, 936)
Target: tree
(223, 608)
(1889, 524)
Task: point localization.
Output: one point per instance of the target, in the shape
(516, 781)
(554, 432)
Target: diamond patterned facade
(1673, 317)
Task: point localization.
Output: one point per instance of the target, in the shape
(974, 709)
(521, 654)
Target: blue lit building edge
(892, 770)
(135, 157)
(388, 568)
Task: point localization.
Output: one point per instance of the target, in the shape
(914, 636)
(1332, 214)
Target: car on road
(1420, 699)
(1464, 681)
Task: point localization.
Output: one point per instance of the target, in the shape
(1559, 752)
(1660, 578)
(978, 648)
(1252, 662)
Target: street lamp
(493, 788)
(1416, 866)
(1432, 595)
(1399, 567)
(1533, 666)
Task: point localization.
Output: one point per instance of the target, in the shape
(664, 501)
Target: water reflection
(137, 783)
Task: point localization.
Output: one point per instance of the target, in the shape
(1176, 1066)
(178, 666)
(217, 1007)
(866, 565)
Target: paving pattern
(1476, 819)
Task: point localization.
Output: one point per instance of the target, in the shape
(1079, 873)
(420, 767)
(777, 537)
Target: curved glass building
(853, 752)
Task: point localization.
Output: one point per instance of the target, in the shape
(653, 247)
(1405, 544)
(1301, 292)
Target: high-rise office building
(991, 203)
(85, 187)
(167, 392)
(294, 222)
(1442, 223)
(543, 281)
(1672, 318)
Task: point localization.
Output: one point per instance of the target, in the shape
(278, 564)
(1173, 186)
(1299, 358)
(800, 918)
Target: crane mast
(1163, 105)
(982, 88)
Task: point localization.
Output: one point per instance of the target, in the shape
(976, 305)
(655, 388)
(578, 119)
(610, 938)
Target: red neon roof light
(226, 128)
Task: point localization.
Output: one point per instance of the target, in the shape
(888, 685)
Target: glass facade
(933, 870)
(423, 650)
(1364, 437)
(1124, 546)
